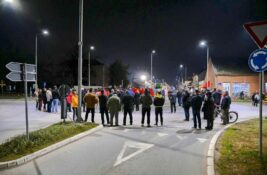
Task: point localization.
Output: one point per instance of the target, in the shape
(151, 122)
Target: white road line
(202, 140)
(140, 146)
(180, 137)
(160, 134)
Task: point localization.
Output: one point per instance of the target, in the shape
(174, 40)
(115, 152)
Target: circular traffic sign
(258, 60)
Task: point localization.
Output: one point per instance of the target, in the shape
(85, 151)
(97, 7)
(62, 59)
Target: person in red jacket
(69, 100)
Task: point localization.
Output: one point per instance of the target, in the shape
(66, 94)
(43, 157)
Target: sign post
(26, 73)
(258, 62)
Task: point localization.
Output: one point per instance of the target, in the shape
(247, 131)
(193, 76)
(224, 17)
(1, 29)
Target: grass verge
(19, 146)
(238, 150)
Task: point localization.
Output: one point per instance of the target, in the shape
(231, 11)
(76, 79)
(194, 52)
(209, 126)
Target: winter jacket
(48, 95)
(55, 94)
(74, 101)
(159, 101)
(137, 98)
(226, 102)
(69, 98)
(114, 103)
(103, 101)
(186, 101)
(208, 108)
(146, 101)
(217, 97)
(172, 98)
(128, 101)
(91, 100)
(196, 102)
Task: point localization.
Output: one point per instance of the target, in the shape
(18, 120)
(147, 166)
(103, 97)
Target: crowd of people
(111, 102)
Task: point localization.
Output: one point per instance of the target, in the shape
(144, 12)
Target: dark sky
(129, 29)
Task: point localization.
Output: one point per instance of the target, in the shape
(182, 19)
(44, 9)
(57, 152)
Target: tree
(118, 72)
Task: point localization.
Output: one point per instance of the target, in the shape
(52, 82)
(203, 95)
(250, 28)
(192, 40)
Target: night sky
(130, 29)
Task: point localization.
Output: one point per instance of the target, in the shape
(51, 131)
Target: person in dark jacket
(158, 103)
(55, 101)
(196, 104)
(217, 95)
(226, 102)
(208, 109)
(146, 101)
(137, 100)
(186, 105)
(179, 97)
(128, 103)
(40, 99)
(103, 99)
(172, 98)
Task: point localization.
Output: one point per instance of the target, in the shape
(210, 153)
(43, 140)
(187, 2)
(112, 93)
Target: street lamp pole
(151, 66)
(36, 55)
(208, 65)
(89, 65)
(80, 44)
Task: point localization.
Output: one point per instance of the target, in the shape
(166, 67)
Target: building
(234, 76)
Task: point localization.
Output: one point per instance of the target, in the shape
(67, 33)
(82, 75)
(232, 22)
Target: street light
(9, 1)
(143, 77)
(89, 65)
(44, 32)
(184, 76)
(151, 73)
(204, 43)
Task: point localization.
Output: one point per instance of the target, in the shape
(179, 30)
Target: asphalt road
(172, 149)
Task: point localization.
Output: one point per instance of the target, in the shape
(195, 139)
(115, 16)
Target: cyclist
(225, 105)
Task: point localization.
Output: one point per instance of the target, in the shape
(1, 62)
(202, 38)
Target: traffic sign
(17, 77)
(258, 32)
(258, 60)
(17, 67)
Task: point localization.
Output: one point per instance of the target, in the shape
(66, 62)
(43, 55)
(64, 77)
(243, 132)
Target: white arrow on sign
(130, 144)
(253, 65)
(14, 66)
(16, 77)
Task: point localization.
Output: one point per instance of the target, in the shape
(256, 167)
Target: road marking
(160, 134)
(126, 130)
(202, 140)
(181, 137)
(130, 144)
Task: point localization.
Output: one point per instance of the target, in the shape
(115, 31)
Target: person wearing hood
(158, 103)
(128, 103)
(114, 106)
(146, 101)
(208, 109)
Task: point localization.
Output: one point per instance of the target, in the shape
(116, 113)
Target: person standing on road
(146, 101)
(74, 104)
(44, 99)
(49, 99)
(91, 100)
(114, 106)
(137, 100)
(179, 97)
(186, 105)
(208, 109)
(55, 101)
(69, 99)
(128, 103)
(226, 102)
(84, 91)
(172, 98)
(158, 103)
(103, 99)
(256, 99)
(196, 103)
(40, 99)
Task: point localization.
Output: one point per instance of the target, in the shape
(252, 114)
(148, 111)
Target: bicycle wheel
(233, 116)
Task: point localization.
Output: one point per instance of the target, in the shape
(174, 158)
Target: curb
(25, 159)
(211, 150)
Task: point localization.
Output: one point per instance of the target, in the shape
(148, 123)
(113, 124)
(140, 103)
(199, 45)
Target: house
(233, 76)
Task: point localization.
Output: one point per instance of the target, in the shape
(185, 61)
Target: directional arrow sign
(17, 76)
(258, 60)
(14, 67)
(258, 32)
(31, 68)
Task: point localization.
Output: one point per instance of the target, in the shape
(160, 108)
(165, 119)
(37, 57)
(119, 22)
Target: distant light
(203, 43)
(45, 32)
(92, 48)
(143, 77)
(181, 66)
(153, 51)
(9, 1)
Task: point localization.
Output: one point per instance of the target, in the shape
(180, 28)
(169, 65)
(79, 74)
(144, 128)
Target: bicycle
(233, 115)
